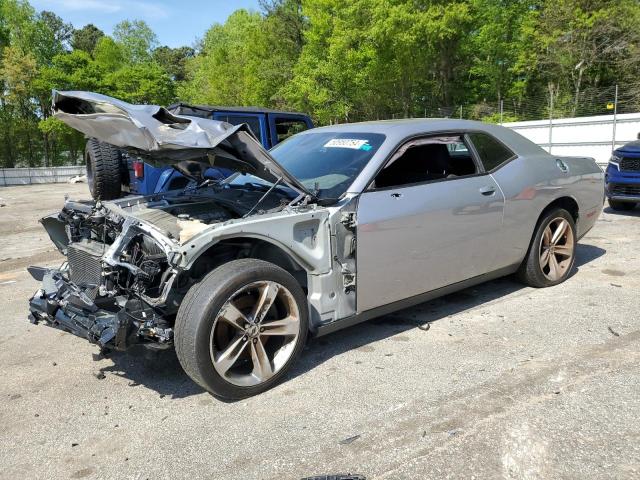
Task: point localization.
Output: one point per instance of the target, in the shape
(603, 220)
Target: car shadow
(627, 213)
(156, 370)
(160, 371)
(322, 349)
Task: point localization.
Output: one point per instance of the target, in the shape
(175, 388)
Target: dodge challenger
(334, 226)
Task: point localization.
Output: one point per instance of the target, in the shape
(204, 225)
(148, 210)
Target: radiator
(84, 264)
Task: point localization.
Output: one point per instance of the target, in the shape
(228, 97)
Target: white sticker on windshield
(354, 143)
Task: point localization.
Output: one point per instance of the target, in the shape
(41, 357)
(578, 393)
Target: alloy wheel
(255, 333)
(557, 249)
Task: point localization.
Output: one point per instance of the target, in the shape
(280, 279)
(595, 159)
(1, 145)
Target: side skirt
(411, 301)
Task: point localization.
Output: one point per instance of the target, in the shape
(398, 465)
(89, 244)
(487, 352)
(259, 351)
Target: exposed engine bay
(121, 283)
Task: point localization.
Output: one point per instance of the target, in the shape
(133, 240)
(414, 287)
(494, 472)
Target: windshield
(326, 163)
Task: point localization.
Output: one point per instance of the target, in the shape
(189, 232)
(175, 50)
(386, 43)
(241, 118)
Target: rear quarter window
(492, 153)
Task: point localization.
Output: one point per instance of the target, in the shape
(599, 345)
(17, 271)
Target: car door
(416, 237)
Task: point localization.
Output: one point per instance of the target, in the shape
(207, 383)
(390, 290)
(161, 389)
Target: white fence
(28, 176)
(595, 136)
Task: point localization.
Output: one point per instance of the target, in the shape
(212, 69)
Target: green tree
(61, 31)
(141, 83)
(573, 45)
(19, 70)
(174, 60)
(86, 38)
(227, 71)
(62, 137)
(136, 39)
(109, 54)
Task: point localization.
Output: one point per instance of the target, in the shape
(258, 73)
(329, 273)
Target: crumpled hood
(161, 137)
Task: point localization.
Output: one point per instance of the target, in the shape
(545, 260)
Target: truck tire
(241, 328)
(552, 252)
(104, 172)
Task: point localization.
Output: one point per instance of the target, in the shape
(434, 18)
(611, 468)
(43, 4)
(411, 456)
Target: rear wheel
(551, 254)
(104, 174)
(240, 329)
(622, 206)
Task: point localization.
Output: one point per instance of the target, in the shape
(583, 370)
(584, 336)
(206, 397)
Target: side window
(427, 159)
(253, 122)
(285, 127)
(492, 153)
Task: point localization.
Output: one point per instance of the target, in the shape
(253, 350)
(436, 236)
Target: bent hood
(160, 137)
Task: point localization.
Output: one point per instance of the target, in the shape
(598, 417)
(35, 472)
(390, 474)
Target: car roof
(409, 126)
(397, 131)
(235, 109)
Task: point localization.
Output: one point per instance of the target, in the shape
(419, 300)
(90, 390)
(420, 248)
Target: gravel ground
(507, 382)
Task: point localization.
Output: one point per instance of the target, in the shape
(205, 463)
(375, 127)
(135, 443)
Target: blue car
(112, 174)
(622, 177)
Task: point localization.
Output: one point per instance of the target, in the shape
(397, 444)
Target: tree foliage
(86, 38)
(136, 39)
(40, 52)
(340, 61)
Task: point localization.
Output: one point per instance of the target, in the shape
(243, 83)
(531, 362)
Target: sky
(176, 23)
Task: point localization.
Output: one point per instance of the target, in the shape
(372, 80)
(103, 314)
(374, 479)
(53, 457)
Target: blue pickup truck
(622, 177)
(112, 174)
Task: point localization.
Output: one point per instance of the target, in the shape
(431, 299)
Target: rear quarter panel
(530, 183)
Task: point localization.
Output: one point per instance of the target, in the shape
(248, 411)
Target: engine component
(85, 269)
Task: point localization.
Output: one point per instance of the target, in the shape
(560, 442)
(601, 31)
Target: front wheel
(240, 329)
(621, 206)
(551, 254)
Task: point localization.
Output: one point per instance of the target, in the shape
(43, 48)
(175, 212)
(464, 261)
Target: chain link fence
(611, 100)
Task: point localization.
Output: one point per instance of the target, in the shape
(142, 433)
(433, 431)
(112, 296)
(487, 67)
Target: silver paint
(427, 237)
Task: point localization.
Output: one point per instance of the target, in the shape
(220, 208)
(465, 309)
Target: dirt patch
(43, 258)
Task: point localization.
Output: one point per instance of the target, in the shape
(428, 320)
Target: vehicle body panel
(416, 238)
(530, 184)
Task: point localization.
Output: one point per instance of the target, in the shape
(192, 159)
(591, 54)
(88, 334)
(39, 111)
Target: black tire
(621, 206)
(530, 271)
(199, 308)
(104, 170)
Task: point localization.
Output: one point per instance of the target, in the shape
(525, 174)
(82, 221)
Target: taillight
(138, 169)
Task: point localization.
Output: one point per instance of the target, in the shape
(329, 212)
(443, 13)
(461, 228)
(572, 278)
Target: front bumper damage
(113, 324)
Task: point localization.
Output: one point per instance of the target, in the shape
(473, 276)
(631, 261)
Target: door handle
(396, 195)
(488, 190)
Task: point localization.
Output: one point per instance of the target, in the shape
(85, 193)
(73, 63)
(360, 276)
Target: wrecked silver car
(332, 227)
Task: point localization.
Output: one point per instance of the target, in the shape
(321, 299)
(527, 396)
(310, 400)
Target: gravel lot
(508, 382)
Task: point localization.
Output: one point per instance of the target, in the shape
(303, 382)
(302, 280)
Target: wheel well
(568, 203)
(246, 247)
